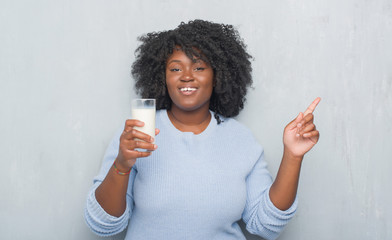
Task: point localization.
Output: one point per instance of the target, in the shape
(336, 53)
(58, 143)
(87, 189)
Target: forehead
(179, 55)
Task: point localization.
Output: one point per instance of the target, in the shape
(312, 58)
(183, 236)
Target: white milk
(146, 115)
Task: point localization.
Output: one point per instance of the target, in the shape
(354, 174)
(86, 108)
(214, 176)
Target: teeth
(186, 89)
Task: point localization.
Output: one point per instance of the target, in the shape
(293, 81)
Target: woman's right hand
(130, 140)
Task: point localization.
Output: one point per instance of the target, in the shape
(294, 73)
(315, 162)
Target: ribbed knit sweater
(193, 187)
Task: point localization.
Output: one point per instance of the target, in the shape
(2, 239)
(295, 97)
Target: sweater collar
(165, 120)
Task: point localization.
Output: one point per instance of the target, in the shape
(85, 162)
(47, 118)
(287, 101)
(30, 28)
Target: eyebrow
(174, 60)
(178, 61)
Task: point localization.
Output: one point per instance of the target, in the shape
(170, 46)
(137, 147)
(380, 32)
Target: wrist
(119, 169)
(291, 157)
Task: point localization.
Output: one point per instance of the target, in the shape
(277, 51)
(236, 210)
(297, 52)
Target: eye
(200, 68)
(174, 69)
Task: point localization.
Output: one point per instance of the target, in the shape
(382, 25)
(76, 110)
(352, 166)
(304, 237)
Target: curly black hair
(219, 45)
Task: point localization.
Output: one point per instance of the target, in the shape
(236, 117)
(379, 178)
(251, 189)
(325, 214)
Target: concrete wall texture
(65, 87)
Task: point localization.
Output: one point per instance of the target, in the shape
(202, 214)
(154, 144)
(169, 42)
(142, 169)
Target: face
(190, 84)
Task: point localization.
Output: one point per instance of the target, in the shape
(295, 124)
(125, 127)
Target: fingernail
(299, 125)
(297, 135)
(155, 146)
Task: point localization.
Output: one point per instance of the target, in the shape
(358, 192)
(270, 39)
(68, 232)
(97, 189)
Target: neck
(190, 121)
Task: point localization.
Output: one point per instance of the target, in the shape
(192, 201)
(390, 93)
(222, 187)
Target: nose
(187, 76)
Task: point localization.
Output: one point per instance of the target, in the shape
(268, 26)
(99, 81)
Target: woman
(209, 171)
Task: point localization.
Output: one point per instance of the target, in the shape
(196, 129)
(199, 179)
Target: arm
(111, 193)
(107, 216)
(260, 214)
(99, 221)
(299, 137)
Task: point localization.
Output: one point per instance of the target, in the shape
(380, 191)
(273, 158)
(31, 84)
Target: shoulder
(232, 129)
(239, 140)
(235, 127)
(160, 112)
(161, 119)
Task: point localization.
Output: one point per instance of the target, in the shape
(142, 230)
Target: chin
(189, 107)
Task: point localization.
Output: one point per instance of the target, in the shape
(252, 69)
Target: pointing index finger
(312, 106)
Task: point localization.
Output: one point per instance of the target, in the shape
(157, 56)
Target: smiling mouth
(187, 89)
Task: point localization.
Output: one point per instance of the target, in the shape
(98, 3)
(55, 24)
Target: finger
(306, 120)
(312, 106)
(311, 134)
(157, 131)
(139, 154)
(133, 133)
(141, 145)
(293, 124)
(143, 154)
(130, 123)
(310, 127)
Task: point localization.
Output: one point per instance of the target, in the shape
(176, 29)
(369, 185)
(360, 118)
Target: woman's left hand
(300, 135)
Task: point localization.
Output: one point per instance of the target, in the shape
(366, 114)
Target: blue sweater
(193, 187)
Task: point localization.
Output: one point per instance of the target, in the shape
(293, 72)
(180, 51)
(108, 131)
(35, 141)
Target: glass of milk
(144, 110)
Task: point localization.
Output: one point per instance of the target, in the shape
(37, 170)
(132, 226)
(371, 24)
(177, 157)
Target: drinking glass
(144, 110)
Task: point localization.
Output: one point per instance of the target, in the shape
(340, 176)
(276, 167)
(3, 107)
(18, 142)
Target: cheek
(210, 81)
(170, 88)
(168, 82)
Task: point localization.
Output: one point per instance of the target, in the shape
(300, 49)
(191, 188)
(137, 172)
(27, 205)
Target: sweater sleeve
(260, 215)
(99, 221)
